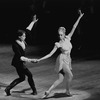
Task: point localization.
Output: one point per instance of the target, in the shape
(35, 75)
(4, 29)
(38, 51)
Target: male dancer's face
(23, 37)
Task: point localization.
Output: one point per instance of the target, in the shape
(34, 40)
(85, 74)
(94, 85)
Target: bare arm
(25, 59)
(32, 23)
(47, 56)
(76, 24)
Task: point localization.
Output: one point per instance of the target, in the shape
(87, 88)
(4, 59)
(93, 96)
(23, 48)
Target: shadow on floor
(21, 91)
(59, 95)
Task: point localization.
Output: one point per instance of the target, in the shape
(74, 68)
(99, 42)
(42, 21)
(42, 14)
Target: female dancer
(19, 60)
(63, 62)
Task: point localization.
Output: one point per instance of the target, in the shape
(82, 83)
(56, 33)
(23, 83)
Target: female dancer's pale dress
(63, 61)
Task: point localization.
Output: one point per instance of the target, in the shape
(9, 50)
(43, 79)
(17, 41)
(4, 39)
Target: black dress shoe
(7, 92)
(34, 93)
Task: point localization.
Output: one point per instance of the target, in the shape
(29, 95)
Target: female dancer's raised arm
(76, 24)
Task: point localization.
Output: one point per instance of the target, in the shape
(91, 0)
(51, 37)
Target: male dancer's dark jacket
(18, 52)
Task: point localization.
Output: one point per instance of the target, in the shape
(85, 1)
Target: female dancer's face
(61, 35)
(23, 37)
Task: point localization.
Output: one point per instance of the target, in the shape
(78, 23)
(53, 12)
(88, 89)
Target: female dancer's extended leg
(55, 84)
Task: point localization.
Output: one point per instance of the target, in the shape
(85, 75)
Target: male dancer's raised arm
(29, 27)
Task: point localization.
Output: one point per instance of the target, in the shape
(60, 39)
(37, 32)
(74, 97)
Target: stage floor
(85, 84)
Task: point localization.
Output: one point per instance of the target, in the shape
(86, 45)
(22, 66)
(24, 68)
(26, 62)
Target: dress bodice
(64, 45)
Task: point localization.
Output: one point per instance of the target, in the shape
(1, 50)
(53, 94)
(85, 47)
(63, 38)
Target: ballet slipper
(68, 94)
(45, 94)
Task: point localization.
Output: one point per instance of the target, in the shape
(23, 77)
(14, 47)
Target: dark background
(17, 14)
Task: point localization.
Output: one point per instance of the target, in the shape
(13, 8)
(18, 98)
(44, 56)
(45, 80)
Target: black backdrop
(17, 14)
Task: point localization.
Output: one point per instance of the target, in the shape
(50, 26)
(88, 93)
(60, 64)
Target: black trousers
(22, 72)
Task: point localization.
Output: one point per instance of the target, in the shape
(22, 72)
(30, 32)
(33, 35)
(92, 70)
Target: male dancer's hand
(35, 19)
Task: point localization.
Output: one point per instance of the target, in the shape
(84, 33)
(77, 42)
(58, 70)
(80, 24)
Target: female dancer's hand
(34, 60)
(81, 14)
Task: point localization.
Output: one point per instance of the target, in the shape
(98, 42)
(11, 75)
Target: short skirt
(63, 61)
